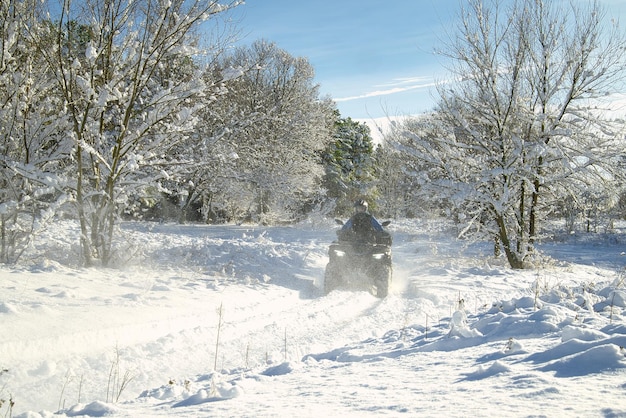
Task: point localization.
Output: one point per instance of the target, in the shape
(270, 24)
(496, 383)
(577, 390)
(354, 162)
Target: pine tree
(350, 164)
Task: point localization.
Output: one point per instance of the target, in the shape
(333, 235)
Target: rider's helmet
(360, 205)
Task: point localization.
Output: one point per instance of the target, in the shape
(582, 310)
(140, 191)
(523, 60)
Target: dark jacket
(376, 226)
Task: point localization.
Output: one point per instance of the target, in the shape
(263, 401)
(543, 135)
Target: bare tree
(523, 119)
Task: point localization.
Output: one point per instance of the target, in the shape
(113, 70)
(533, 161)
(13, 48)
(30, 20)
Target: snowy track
(75, 339)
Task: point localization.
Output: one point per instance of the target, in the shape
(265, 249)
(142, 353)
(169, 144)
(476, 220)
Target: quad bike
(360, 261)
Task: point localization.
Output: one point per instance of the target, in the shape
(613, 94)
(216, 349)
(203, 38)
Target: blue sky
(373, 57)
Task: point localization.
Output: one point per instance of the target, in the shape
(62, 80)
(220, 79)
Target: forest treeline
(113, 110)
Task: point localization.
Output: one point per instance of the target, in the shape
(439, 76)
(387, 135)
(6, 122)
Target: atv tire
(382, 281)
(331, 278)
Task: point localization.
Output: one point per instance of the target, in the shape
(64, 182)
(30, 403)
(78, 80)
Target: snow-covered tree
(524, 120)
(265, 134)
(403, 172)
(129, 84)
(31, 153)
(391, 185)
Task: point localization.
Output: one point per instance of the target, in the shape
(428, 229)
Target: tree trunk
(85, 242)
(532, 225)
(512, 256)
(521, 228)
(497, 249)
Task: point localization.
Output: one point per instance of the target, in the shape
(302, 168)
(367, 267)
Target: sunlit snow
(207, 321)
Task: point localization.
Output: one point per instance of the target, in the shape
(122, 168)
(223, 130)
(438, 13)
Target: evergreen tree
(350, 164)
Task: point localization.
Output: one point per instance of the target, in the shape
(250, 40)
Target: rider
(361, 206)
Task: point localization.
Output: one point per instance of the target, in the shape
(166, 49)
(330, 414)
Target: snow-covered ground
(207, 321)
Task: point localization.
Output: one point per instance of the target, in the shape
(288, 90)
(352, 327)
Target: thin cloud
(402, 85)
